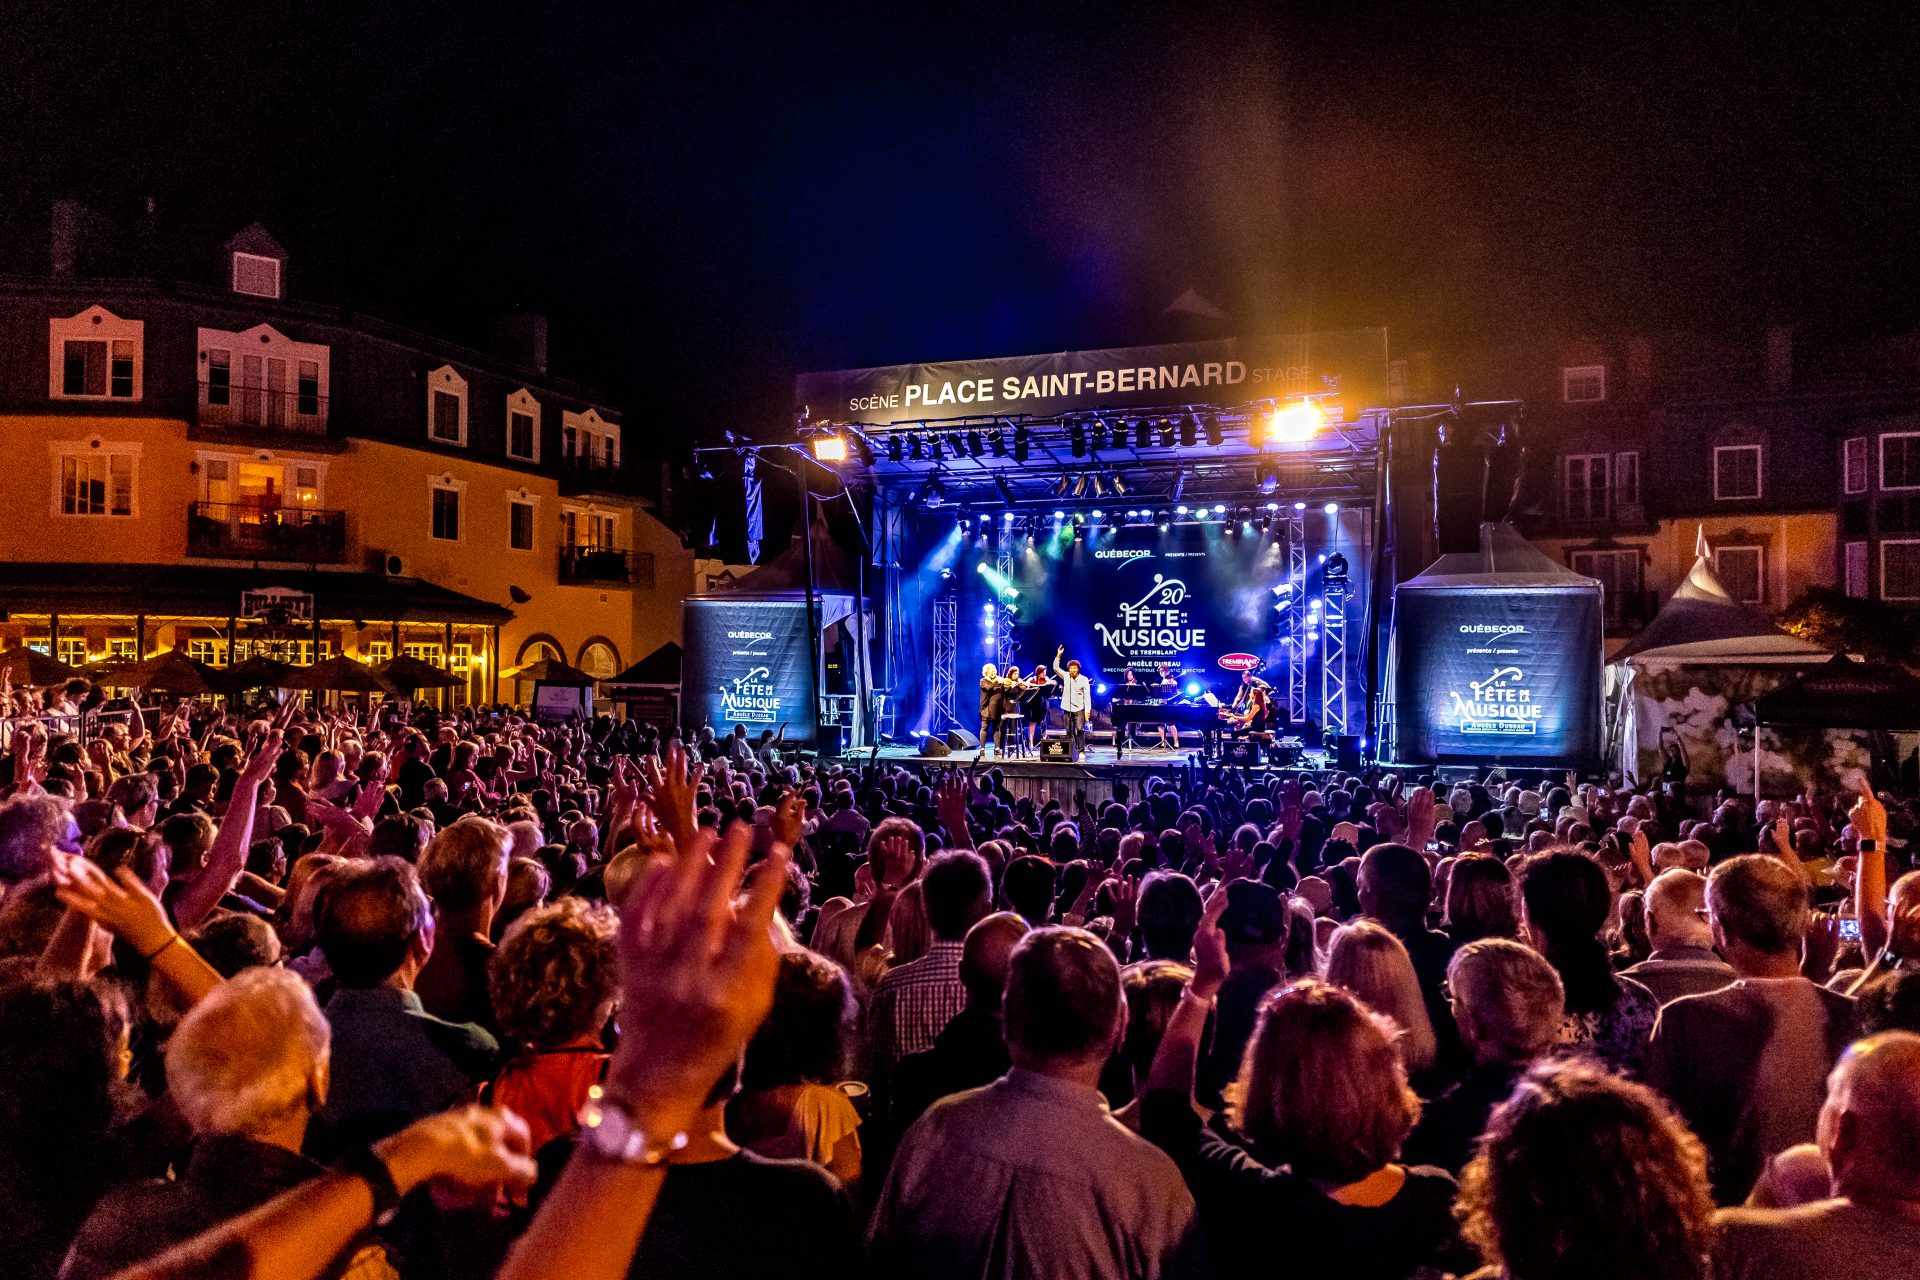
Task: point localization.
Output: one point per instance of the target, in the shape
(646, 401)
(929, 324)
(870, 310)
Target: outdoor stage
(1096, 772)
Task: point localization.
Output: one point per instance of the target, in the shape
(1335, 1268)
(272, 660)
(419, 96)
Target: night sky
(707, 199)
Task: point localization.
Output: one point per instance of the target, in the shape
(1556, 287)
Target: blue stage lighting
(1059, 515)
(1100, 689)
(1193, 689)
(1220, 509)
(1180, 510)
(1332, 508)
(1299, 506)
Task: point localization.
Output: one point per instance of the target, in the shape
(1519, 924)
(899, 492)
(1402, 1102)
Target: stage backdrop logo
(1238, 661)
(746, 663)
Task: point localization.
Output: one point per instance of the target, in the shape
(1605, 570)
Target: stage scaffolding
(946, 647)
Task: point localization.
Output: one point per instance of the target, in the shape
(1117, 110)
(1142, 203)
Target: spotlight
(1020, 444)
(997, 441)
(1188, 432)
(1101, 515)
(1180, 510)
(1298, 422)
(915, 449)
(1220, 509)
(981, 569)
(1216, 435)
(1163, 528)
(974, 448)
(1060, 485)
(1059, 515)
(830, 448)
(1273, 506)
(896, 449)
(1323, 557)
(1080, 485)
(1100, 689)
(939, 449)
(1099, 487)
(1166, 433)
(1142, 434)
(1299, 506)
(1193, 689)
(1246, 515)
(1332, 508)
(1269, 478)
(1007, 516)
(1099, 435)
(1119, 486)
(1077, 437)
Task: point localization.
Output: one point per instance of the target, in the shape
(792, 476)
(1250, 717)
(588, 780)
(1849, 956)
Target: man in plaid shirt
(914, 1002)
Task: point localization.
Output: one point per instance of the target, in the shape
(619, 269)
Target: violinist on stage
(1037, 688)
(993, 704)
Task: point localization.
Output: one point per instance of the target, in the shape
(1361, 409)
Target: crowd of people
(302, 992)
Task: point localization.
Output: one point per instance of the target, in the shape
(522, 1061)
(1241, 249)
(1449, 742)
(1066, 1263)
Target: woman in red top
(553, 981)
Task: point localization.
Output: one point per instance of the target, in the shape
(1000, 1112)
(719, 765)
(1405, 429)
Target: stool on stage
(1013, 738)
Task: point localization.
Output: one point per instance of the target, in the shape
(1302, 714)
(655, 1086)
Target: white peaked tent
(1703, 654)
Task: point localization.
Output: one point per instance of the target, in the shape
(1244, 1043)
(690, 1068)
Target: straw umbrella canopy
(169, 672)
(342, 674)
(408, 672)
(31, 667)
(552, 671)
(257, 673)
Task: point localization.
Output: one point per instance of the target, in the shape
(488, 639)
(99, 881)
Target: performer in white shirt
(1076, 701)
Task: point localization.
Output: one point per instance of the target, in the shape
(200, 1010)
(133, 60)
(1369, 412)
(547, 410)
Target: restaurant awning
(206, 591)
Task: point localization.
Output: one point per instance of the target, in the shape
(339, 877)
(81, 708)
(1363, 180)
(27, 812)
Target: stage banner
(1486, 674)
(745, 662)
(1351, 363)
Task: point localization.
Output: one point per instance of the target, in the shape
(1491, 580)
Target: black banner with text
(746, 663)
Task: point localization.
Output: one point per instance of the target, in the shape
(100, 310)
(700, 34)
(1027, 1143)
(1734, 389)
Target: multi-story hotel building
(175, 445)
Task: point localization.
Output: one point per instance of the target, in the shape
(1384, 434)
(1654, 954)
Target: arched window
(599, 660)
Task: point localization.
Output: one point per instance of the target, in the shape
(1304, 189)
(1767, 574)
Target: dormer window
(95, 356)
(1583, 383)
(446, 407)
(523, 426)
(587, 438)
(256, 274)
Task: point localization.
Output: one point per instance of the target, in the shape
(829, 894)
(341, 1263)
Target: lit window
(256, 274)
(1856, 570)
(1583, 384)
(1742, 571)
(1736, 472)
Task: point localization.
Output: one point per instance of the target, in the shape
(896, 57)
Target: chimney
(522, 338)
(1779, 359)
(63, 241)
(1639, 368)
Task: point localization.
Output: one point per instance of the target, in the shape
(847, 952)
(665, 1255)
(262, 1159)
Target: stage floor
(1095, 773)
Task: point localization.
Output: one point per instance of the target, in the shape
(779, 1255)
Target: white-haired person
(247, 1067)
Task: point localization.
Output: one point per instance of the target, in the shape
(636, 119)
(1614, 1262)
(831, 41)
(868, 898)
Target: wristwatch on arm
(609, 1131)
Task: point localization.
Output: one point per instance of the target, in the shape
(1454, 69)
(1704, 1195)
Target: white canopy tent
(1703, 655)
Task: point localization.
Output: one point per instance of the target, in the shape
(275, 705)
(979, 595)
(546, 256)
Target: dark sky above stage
(708, 198)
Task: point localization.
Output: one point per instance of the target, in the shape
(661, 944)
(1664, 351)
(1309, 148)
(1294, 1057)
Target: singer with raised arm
(1076, 701)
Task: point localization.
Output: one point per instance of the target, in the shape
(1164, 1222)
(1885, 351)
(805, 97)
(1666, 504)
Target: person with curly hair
(1582, 1175)
(552, 981)
(789, 1107)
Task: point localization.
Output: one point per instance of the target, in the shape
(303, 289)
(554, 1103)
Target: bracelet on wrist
(150, 955)
(367, 1166)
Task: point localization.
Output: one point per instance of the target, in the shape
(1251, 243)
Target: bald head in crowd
(986, 957)
(1870, 1125)
(1674, 901)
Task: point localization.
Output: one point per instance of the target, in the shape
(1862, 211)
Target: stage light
(895, 449)
(1163, 528)
(1257, 432)
(1007, 516)
(1246, 515)
(1099, 435)
(974, 448)
(1180, 510)
(1273, 506)
(1193, 689)
(1283, 589)
(915, 449)
(830, 448)
(1077, 438)
(1332, 508)
(1099, 487)
(939, 449)
(1119, 485)
(1188, 432)
(1299, 506)
(1100, 689)
(1060, 485)
(1216, 434)
(1297, 423)
(1166, 433)
(1101, 515)
(1269, 478)
(1080, 485)
(1323, 557)
(981, 569)
(1142, 434)
(997, 441)
(961, 523)
(1220, 508)
(1059, 515)
(1020, 444)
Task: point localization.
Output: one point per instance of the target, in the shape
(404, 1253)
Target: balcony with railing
(246, 415)
(580, 564)
(246, 531)
(586, 473)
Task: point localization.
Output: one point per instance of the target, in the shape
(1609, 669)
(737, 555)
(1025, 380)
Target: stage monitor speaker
(1346, 753)
(931, 746)
(1054, 750)
(961, 740)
